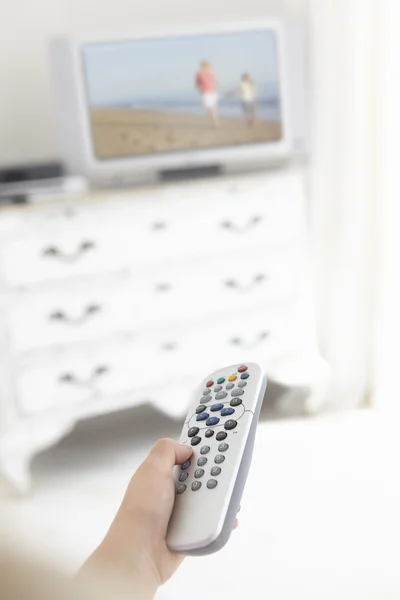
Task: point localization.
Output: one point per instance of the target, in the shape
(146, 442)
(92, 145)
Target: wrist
(129, 570)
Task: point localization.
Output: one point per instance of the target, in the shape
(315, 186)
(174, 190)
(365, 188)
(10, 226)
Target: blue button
(212, 421)
(244, 376)
(216, 407)
(202, 417)
(225, 412)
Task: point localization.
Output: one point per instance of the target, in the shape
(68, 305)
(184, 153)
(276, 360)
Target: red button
(209, 384)
(242, 369)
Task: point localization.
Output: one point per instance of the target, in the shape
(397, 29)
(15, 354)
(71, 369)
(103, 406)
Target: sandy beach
(127, 132)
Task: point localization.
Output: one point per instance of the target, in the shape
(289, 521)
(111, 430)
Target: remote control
(220, 426)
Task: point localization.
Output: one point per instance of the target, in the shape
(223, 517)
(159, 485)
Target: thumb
(168, 453)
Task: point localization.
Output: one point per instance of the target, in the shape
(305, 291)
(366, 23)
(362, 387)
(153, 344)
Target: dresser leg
(22, 442)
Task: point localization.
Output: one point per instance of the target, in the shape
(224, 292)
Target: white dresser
(123, 298)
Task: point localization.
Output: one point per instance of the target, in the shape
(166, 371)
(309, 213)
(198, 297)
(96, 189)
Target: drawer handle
(258, 340)
(83, 248)
(158, 226)
(244, 287)
(163, 287)
(71, 379)
(88, 312)
(170, 346)
(253, 222)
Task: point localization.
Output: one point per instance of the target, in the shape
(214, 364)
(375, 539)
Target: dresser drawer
(122, 305)
(148, 360)
(199, 221)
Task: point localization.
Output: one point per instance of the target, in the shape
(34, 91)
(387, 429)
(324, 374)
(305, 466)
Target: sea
(268, 105)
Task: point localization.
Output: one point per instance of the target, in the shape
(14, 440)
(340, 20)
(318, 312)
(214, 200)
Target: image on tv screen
(197, 92)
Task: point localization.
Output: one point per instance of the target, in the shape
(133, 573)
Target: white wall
(27, 129)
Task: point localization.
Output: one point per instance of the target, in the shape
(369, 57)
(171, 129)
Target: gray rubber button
(237, 393)
(181, 488)
(236, 402)
(183, 476)
(185, 465)
(221, 395)
(206, 392)
(209, 433)
(218, 388)
(230, 386)
(193, 431)
(199, 473)
(242, 384)
(219, 459)
(201, 408)
(204, 449)
(215, 471)
(221, 435)
(223, 447)
(212, 483)
(202, 461)
(196, 485)
(230, 424)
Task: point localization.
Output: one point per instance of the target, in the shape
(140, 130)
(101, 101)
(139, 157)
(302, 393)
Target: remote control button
(216, 407)
(209, 433)
(219, 459)
(223, 447)
(220, 380)
(225, 412)
(200, 409)
(215, 471)
(196, 440)
(236, 402)
(183, 476)
(218, 388)
(199, 473)
(181, 488)
(202, 417)
(232, 378)
(242, 368)
(186, 465)
(212, 483)
(220, 395)
(206, 392)
(221, 435)
(230, 386)
(212, 421)
(209, 383)
(242, 384)
(237, 392)
(204, 449)
(202, 461)
(193, 431)
(245, 376)
(230, 424)
(196, 485)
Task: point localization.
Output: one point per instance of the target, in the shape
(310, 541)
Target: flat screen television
(133, 106)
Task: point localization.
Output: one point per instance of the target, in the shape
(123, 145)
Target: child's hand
(135, 545)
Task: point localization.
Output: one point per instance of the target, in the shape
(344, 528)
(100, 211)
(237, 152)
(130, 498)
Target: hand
(135, 547)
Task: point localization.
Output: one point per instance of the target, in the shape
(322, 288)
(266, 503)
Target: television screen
(175, 94)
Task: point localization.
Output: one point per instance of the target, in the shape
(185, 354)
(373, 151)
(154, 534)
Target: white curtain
(387, 322)
(343, 186)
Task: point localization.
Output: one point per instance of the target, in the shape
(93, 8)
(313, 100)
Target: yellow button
(233, 378)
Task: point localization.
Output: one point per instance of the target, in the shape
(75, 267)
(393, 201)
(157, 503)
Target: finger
(169, 453)
(236, 524)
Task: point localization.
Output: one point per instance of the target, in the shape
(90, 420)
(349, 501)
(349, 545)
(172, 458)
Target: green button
(221, 380)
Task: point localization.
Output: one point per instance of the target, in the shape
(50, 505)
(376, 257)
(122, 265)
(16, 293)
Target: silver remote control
(220, 426)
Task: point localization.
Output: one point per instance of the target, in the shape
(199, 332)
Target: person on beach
(207, 85)
(248, 95)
